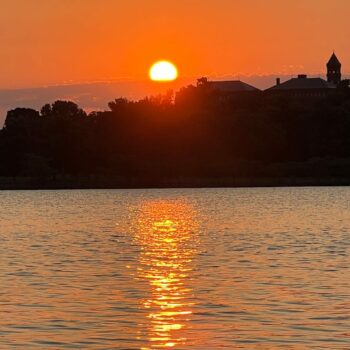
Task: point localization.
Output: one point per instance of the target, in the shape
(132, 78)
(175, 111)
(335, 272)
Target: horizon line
(236, 76)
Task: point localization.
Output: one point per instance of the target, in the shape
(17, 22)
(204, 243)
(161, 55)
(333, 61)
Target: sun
(163, 71)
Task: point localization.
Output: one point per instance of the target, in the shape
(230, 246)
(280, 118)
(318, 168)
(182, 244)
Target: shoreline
(73, 183)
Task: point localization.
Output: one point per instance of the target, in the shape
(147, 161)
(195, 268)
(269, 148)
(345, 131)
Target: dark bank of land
(199, 137)
(68, 183)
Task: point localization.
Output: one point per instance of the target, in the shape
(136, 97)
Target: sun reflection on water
(168, 238)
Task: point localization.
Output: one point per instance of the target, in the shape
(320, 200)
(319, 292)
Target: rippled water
(181, 269)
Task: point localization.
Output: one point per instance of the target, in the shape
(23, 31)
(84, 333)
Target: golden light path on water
(168, 236)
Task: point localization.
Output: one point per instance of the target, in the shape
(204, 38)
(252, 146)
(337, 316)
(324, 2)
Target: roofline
(236, 81)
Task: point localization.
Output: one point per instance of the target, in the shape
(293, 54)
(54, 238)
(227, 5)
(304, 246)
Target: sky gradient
(49, 42)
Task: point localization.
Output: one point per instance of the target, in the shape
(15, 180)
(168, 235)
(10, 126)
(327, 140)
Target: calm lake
(264, 268)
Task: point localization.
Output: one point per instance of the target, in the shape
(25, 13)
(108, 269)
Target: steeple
(334, 70)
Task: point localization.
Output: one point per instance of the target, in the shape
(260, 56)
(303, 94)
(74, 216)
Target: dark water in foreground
(181, 269)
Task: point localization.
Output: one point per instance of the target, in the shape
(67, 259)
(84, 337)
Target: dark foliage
(199, 133)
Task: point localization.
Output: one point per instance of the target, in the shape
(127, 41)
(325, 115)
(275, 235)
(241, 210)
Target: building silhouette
(302, 85)
(334, 70)
(227, 87)
(311, 87)
(232, 86)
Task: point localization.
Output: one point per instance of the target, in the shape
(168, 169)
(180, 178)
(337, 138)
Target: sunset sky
(49, 42)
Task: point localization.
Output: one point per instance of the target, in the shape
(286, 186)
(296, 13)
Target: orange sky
(45, 42)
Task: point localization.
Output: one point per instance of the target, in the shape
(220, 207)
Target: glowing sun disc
(163, 71)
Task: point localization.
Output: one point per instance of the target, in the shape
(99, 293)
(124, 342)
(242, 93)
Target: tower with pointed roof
(334, 70)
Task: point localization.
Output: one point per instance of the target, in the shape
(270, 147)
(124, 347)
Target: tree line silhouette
(198, 136)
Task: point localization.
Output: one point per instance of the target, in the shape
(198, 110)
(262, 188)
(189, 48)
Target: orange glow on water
(196, 269)
(168, 242)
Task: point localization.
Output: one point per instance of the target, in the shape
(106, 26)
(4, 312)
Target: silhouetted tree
(62, 109)
(196, 133)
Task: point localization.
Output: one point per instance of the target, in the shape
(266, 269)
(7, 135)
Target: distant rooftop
(232, 86)
(302, 82)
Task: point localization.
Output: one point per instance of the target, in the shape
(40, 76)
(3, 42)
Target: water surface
(178, 269)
